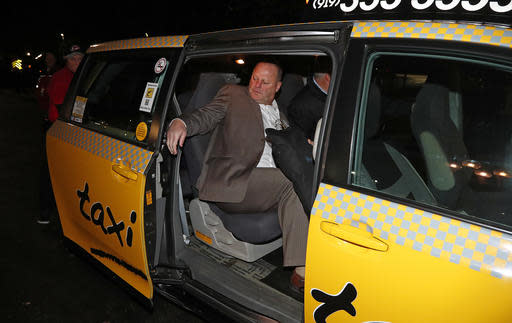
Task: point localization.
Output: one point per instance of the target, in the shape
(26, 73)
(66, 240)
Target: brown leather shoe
(297, 283)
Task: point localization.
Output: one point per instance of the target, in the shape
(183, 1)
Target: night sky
(37, 27)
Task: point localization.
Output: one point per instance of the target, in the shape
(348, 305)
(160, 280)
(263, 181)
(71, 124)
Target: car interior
(244, 249)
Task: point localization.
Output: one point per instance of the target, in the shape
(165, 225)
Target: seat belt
(181, 203)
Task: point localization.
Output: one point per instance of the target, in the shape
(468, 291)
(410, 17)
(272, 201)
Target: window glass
(436, 130)
(118, 91)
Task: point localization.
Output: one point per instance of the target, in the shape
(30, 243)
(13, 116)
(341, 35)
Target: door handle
(124, 172)
(353, 235)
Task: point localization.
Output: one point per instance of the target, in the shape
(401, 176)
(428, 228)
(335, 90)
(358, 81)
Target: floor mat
(257, 270)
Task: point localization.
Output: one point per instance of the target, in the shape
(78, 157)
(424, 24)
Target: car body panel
(433, 265)
(374, 257)
(100, 209)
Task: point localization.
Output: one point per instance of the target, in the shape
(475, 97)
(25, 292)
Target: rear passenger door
(413, 219)
(100, 154)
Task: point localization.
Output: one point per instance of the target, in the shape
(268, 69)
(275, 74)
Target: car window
(118, 91)
(436, 130)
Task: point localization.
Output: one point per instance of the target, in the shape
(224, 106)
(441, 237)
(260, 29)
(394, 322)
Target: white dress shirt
(271, 119)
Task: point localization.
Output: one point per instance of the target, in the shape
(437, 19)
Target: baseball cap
(73, 50)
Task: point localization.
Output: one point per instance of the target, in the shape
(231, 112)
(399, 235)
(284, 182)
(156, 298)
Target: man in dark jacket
(307, 107)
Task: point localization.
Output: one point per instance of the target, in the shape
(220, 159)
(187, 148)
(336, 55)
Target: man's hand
(176, 134)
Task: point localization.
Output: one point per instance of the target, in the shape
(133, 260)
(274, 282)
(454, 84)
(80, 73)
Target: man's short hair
(319, 75)
(273, 61)
(322, 64)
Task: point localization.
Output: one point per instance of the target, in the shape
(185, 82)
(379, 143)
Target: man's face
(73, 62)
(264, 83)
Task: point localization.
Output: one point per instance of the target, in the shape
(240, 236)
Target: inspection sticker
(149, 96)
(78, 109)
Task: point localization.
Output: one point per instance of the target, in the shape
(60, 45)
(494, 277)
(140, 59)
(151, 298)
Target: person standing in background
(61, 79)
(57, 89)
(50, 66)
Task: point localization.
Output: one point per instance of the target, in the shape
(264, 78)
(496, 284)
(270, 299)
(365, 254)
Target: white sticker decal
(78, 109)
(149, 96)
(160, 65)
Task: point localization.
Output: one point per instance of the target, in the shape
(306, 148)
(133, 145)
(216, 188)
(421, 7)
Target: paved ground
(40, 280)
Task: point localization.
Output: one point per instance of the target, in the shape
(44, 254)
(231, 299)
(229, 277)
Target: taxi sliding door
(99, 158)
(412, 221)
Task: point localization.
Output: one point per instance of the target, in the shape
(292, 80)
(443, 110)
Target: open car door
(100, 154)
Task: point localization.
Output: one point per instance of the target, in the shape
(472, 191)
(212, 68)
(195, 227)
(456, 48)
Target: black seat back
(195, 147)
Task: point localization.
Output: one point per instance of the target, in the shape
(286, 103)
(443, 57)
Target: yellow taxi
(411, 220)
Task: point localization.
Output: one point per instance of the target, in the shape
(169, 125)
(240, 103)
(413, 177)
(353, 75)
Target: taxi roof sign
(486, 11)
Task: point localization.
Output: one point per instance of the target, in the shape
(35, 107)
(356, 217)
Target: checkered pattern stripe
(101, 145)
(469, 245)
(147, 42)
(428, 30)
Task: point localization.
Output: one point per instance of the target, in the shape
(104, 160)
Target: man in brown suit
(238, 172)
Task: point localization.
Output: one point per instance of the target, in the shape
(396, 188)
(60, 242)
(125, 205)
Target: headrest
(373, 111)
(431, 109)
(207, 87)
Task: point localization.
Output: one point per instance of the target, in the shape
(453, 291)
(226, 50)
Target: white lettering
(367, 7)
(442, 6)
(470, 7)
(344, 7)
(351, 5)
(386, 6)
(497, 8)
(421, 6)
(318, 3)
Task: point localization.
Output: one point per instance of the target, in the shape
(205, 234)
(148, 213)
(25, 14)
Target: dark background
(41, 280)
(36, 27)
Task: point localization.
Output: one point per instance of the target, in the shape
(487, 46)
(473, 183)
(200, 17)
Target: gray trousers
(269, 189)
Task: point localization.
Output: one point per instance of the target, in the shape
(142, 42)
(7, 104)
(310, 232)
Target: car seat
(291, 85)
(441, 143)
(391, 172)
(244, 236)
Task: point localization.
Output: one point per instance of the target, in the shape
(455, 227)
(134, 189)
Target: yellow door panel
(435, 269)
(99, 184)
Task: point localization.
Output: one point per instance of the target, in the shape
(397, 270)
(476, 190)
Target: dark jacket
(306, 108)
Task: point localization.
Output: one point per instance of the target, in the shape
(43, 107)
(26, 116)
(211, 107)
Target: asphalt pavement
(40, 279)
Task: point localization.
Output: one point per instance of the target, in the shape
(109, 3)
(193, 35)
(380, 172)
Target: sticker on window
(78, 109)
(160, 65)
(149, 96)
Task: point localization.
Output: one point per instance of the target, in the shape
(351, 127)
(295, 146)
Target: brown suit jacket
(236, 144)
